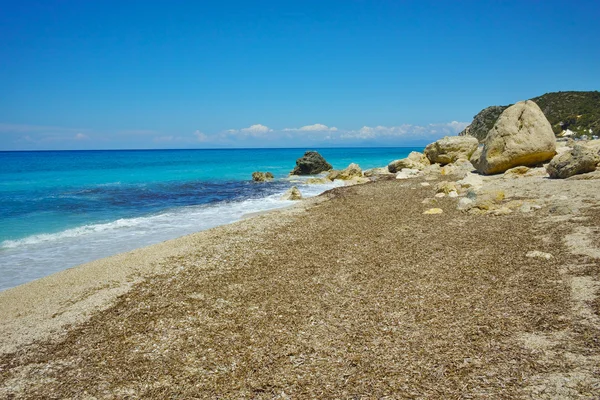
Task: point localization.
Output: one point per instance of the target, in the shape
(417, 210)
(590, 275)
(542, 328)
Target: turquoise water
(60, 209)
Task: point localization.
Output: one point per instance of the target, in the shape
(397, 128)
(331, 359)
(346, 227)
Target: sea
(59, 209)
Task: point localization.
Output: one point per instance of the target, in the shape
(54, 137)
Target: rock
(408, 173)
(310, 164)
(516, 172)
(500, 211)
(483, 122)
(415, 160)
(465, 204)
(432, 170)
(292, 194)
(434, 211)
(474, 159)
(450, 149)
(446, 187)
(526, 208)
(453, 194)
(440, 195)
(374, 172)
(539, 254)
(580, 160)
(521, 136)
(484, 201)
(350, 172)
(261, 176)
(492, 194)
(425, 184)
(473, 181)
(529, 207)
(459, 168)
(317, 181)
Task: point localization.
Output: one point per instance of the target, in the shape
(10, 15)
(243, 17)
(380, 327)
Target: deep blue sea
(59, 209)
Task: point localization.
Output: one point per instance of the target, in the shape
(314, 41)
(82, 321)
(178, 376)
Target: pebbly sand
(358, 296)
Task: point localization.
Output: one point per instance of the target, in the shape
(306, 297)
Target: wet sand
(359, 296)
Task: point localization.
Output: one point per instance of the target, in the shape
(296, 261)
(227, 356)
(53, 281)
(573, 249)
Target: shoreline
(37, 310)
(64, 244)
(356, 288)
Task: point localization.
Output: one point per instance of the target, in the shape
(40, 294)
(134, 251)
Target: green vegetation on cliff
(578, 112)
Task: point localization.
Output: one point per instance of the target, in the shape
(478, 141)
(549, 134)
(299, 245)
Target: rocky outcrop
(450, 149)
(579, 160)
(262, 176)
(521, 136)
(350, 172)
(310, 164)
(292, 194)
(415, 160)
(483, 122)
(575, 114)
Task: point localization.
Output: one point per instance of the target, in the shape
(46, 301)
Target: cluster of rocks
(262, 176)
(521, 137)
(520, 143)
(313, 163)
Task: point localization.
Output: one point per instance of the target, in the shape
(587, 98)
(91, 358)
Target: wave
(39, 255)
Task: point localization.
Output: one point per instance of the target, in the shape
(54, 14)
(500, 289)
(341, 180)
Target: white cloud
(256, 129)
(81, 136)
(202, 137)
(407, 131)
(312, 128)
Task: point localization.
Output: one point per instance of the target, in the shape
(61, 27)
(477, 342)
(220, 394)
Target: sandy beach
(355, 294)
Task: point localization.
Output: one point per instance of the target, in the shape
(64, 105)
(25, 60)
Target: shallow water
(61, 209)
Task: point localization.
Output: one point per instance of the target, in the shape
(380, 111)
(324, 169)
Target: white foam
(40, 255)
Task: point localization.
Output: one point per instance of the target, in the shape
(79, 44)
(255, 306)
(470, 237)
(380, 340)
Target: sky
(208, 74)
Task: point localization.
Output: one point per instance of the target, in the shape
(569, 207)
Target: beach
(354, 294)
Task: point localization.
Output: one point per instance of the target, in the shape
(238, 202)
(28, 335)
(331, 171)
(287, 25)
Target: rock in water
(292, 194)
(521, 136)
(450, 149)
(261, 176)
(311, 163)
(580, 160)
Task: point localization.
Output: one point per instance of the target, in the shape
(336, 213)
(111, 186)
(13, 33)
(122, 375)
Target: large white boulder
(521, 136)
(450, 149)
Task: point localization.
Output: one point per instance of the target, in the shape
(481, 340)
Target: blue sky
(199, 74)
